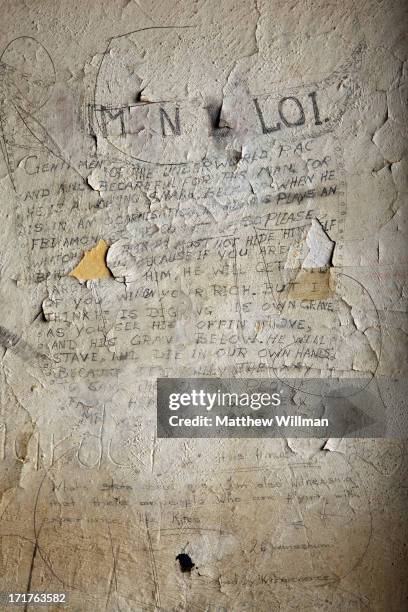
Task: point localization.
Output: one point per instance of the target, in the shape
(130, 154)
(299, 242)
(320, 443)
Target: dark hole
(186, 564)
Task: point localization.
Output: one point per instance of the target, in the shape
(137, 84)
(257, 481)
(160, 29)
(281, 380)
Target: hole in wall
(186, 563)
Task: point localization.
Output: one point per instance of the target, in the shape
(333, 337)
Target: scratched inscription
(229, 212)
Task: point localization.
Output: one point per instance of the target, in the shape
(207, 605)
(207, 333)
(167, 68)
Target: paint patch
(311, 285)
(93, 264)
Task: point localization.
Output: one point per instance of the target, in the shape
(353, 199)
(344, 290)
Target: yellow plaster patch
(93, 264)
(311, 285)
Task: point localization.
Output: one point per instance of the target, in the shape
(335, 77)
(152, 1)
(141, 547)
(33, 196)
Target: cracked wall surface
(201, 189)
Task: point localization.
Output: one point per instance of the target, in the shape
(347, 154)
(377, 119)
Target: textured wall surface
(200, 189)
